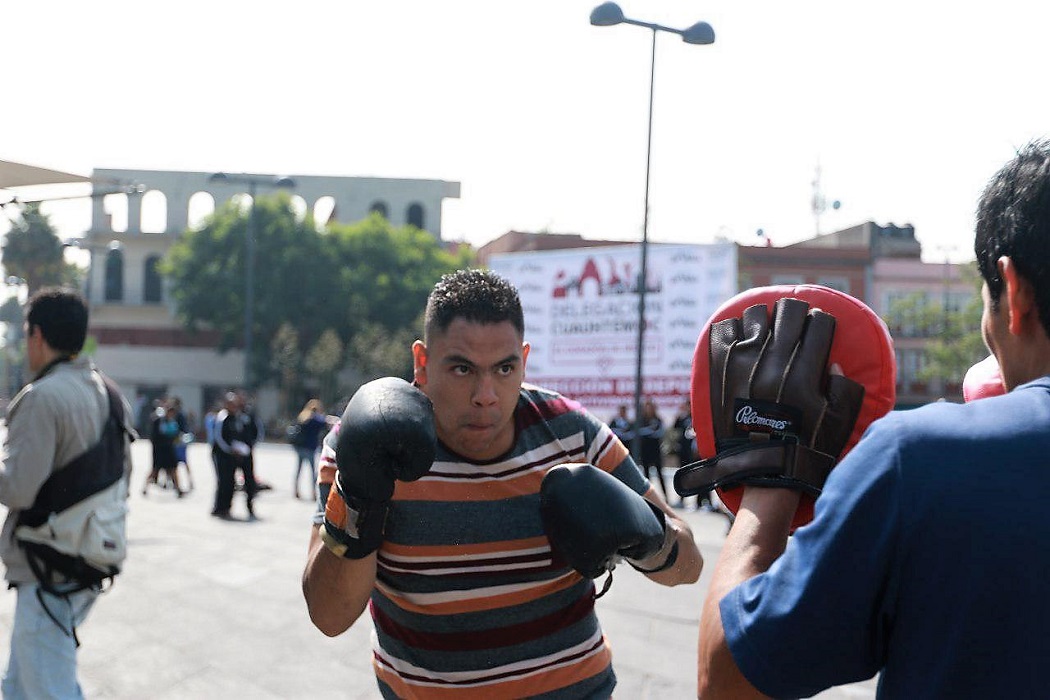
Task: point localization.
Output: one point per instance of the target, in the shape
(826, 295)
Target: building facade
(140, 344)
(880, 265)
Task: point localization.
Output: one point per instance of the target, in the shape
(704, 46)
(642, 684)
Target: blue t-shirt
(928, 559)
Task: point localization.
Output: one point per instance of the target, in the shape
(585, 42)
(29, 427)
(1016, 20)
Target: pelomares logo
(753, 415)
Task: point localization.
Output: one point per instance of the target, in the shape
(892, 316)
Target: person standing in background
(312, 424)
(651, 432)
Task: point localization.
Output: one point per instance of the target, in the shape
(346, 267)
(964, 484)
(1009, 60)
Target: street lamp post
(606, 15)
(253, 182)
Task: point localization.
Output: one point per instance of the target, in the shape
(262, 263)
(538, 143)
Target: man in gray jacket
(56, 418)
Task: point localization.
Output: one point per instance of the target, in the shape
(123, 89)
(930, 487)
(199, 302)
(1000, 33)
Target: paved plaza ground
(213, 609)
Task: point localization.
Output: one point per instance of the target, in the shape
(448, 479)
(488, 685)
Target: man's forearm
(758, 536)
(336, 589)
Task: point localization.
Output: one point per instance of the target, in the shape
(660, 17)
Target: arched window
(114, 275)
(116, 208)
(201, 206)
(154, 217)
(324, 211)
(151, 282)
(379, 207)
(298, 205)
(415, 215)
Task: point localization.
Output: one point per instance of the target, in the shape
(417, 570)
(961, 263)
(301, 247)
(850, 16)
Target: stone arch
(298, 205)
(114, 287)
(415, 215)
(116, 208)
(324, 210)
(154, 216)
(200, 207)
(152, 286)
(380, 207)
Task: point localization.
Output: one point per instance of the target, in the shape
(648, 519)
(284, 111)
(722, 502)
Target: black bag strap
(99, 467)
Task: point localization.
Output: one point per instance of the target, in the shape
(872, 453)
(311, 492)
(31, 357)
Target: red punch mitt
(983, 380)
(766, 409)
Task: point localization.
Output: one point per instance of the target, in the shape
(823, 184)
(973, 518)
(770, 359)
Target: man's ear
(419, 363)
(525, 347)
(1020, 297)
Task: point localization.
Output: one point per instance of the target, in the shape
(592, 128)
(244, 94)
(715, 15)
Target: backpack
(76, 525)
(294, 434)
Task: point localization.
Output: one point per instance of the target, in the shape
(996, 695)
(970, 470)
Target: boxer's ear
(1020, 297)
(419, 363)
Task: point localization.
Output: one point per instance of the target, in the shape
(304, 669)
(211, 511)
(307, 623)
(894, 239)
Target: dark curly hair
(479, 296)
(62, 316)
(1013, 219)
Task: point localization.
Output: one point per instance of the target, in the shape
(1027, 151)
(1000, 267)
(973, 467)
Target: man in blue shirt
(927, 559)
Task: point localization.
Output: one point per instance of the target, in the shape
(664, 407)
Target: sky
(906, 107)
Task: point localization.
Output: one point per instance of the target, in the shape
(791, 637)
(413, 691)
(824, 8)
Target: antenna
(819, 202)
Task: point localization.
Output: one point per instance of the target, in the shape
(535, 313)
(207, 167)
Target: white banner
(581, 318)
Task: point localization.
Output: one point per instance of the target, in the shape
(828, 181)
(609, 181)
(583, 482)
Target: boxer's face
(472, 373)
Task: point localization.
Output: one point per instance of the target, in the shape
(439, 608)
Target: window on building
(299, 208)
(910, 363)
(840, 284)
(116, 208)
(415, 215)
(201, 206)
(908, 314)
(324, 211)
(154, 216)
(114, 275)
(151, 283)
(379, 207)
(787, 279)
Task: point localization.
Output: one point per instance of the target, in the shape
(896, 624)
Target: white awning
(21, 175)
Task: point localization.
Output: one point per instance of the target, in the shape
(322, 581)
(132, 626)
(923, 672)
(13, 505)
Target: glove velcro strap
(773, 463)
(360, 532)
(664, 558)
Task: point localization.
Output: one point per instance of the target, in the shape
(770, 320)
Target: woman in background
(312, 424)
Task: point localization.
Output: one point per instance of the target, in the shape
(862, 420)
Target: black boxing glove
(386, 434)
(592, 519)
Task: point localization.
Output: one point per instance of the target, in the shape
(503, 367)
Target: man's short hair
(478, 296)
(61, 314)
(1013, 219)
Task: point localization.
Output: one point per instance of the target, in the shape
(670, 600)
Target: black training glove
(386, 435)
(592, 518)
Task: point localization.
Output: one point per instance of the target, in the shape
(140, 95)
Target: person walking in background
(622, 426)
(235, 432)
(55, 428)
(651, 433)
(312, 424)
(183, 441)
(165, 437)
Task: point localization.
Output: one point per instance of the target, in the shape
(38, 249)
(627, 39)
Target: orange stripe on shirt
(528, 686)
(473, 490)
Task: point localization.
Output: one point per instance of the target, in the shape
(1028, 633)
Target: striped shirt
(469, 600)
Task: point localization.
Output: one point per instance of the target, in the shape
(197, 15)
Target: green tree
(294, 276)
(366, 282)
(959, 345)
(378, 352)
(34, 252)
(284, 351)
(954, 335)
(323, 361)
(386, 272)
